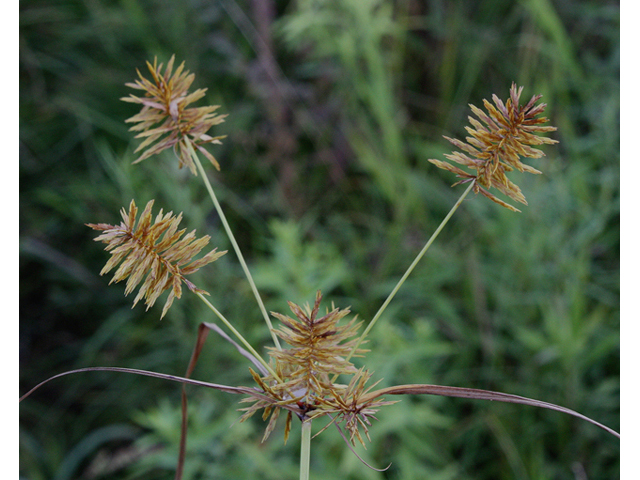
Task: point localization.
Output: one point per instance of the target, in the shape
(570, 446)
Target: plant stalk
(409, 270)
(239, 336)
(305, 449)
(235, 245)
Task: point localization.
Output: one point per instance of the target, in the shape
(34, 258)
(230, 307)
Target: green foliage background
(334, 108)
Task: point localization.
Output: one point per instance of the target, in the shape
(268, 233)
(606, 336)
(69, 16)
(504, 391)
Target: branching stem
(409, 270)
(239, 336)
(232, 238)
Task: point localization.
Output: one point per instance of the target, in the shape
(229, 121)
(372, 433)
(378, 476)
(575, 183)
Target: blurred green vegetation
(334, 108)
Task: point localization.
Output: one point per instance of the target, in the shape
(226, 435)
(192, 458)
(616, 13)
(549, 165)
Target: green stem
(305, 449)
(239, 336)
(409, 270)
(232, 238)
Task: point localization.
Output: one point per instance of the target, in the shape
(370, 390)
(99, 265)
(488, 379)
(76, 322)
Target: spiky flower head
(165, 261)
(498, 140)
(351, 406)
(166, 121)
(319, 347)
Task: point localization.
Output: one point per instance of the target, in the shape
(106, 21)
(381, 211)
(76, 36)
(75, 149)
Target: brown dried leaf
(474, 393)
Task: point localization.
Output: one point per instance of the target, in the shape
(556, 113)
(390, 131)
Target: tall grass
(330, 167)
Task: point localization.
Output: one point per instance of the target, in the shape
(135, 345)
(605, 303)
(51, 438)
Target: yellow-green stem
(232, 239)
(409, 270)
(305, 450)
(239, 336)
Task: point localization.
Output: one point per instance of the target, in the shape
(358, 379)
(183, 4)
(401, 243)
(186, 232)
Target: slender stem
(232, 238)
(305, 449)
(239, 336)
(409, 270)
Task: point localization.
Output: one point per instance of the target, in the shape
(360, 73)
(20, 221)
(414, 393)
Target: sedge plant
(312, 378)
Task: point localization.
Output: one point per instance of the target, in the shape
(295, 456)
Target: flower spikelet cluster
(165, 121)
(154, 248)
(351, 406)
(497, 140)
(272, 404)
(319, 347)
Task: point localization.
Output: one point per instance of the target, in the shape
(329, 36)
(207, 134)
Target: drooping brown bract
(165, 102)
(497, 142)
(165, 261)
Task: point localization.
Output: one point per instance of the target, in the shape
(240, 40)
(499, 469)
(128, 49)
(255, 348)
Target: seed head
(503, 135)
(351, 407)
(165, 261)
(318, 349)
(166, 121)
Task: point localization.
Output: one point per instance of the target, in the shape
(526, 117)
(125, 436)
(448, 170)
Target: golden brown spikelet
(351, 407)
(318, 349)
(271, 404)
(498, 140)
(165, 261)
(166, 121)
